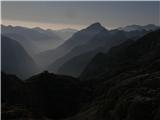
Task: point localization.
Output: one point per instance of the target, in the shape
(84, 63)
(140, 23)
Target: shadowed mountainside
(101, 42)
(15, 60)
(79, 38)
(132, 53)
(124, 83)
(50, 95)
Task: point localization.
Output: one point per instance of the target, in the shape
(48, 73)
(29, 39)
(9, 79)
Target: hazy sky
(58, 15)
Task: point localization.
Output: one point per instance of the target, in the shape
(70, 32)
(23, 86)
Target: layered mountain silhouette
(133, 53)
(79, 38)
(15, 60)
(77, 58)
(118, 78)
(93, 38)
(33, 40)
(149, 27)
(100, 43)
(125, 81)
(64, 34)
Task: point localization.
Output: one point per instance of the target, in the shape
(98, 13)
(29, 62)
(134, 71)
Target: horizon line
(58, 25)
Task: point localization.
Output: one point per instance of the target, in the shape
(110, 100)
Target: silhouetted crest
(96, 25)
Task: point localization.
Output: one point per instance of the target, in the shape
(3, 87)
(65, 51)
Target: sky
(77, 15)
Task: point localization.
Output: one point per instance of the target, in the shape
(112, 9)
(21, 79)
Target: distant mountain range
(133, 53)
(79, 38)
(51, 51)
(35, 40)
(148, 27)
(64, 34)
(121, 84)
(101, 40)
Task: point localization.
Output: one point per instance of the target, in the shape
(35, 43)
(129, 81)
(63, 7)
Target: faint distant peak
(9, 26)
(152, 26)
(3, 25)
(139, 27)
(38, 28)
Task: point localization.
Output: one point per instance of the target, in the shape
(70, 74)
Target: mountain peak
(96, 25)
(139, 27)
(37, 28)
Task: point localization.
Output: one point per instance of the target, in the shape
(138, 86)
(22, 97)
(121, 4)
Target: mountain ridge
(15, 59)
(121, 84)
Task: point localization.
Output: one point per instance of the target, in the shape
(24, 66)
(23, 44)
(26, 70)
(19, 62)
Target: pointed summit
(96, 26)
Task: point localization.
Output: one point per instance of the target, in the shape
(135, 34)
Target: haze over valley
(80, 60)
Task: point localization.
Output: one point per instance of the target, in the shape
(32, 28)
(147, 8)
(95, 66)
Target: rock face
(128, 96)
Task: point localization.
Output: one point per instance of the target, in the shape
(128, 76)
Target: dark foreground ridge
(123, 84)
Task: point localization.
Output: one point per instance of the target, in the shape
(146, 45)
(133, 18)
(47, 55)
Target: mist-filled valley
(50, 50)
(90, 74)
(80, 60)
